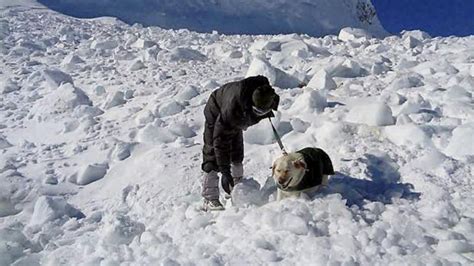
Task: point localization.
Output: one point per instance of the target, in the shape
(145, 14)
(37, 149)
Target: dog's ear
(299, 164)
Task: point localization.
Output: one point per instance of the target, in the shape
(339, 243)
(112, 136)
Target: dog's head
(288, 170)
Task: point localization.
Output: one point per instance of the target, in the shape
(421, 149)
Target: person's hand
(227, 182)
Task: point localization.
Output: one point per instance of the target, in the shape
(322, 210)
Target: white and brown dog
(304, 171)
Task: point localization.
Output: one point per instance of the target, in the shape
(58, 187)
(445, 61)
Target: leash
(277, 137)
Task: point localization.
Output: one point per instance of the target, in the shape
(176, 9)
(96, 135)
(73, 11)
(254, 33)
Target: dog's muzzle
(284, 186)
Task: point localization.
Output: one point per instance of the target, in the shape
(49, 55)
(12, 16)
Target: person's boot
(210, 192)
(212, 205)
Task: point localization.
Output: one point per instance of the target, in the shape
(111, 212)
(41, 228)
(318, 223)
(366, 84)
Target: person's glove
(227, 182)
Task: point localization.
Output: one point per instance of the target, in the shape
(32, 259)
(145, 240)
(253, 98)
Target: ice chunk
(48, 209)
(411, 42)
(104, 44)
(181, 129)
(406, 81)
(322, 81)
(276, 77)
(136, 65)
(72, 59)
(344, 68)
(375, 114)
(55, 77)
(170, 108)
(120, 229)
(114, 99)
(417, 34)
(143, 44)
(13, 244)
(351, 34)
(144, 117)
(90, 173)
(461, 145)
(186, 54)
(7, 86)
(121, 150)
(299, 125)
(447, 247)
(187, 93)
(309, 101)
(4, 143)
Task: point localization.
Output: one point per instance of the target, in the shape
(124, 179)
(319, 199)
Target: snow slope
(316, 18)
(100, 146)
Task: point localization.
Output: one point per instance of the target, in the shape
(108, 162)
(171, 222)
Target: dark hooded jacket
(318, 164)
(228, 112)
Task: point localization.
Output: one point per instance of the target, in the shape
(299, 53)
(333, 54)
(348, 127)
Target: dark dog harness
(318, 164)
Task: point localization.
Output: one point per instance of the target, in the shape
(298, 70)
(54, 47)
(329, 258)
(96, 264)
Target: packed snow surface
(101, 132)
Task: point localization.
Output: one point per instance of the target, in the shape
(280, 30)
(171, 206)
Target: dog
(304, 171)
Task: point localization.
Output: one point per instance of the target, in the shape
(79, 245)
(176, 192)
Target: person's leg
(237, 156)
(210, 182)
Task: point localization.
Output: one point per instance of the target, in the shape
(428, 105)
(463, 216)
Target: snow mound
(375, 114)
(49, 209)
(247, 193)
(155, 135)
(407, 135)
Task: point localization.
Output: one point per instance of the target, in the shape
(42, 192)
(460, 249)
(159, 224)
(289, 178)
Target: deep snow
(100, 138)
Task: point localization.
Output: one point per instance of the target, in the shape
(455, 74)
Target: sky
(437, 17)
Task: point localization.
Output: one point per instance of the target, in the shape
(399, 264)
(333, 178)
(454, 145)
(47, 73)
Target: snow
(375, 114)
(102, 165)
(89, 174)
(51, 208)
(8, 86)
(352, 34)
(316, 18)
